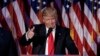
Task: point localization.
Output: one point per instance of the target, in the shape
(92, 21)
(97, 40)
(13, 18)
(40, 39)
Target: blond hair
(49, 11)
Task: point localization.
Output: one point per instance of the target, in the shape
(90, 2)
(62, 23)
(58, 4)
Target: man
(40, 37)
(7, 44)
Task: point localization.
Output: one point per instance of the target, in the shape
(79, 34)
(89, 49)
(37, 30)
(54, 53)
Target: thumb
(28, 29)
(32, 29)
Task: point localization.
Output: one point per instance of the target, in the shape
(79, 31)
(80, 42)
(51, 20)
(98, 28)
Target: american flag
(81, 16)
(83, 25)
(97, 5)
(36, 10)
(90, 28)
(76, 23)
(12, 17)
(98, 12)
(16, 17)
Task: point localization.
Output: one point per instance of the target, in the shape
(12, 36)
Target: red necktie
(50, 44)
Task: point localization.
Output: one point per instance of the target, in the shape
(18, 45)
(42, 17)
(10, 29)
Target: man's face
(49, 21)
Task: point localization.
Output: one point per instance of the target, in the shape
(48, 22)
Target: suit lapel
(43, 30)
(57, 34)
(57, 37)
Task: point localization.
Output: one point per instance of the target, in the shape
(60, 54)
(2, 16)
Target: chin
(52, 27)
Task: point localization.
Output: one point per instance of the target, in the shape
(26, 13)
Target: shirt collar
(48, 29)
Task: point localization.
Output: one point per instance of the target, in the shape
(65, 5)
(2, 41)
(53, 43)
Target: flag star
(94, 8)
(67, 0)
(33, 0)
(95, 1)
(91, 0)
(99, 2)
(38, 7)
(39, 1)
(5, 1)
(44, 2)
(67, 6)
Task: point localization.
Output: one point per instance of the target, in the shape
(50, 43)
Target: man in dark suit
(39, 36)
(7, 44)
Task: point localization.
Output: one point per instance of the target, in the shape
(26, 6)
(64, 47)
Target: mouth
(52, 26)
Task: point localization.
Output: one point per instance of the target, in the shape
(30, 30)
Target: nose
(50, 20)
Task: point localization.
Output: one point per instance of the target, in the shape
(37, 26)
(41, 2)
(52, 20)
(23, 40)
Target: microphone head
(49, 31)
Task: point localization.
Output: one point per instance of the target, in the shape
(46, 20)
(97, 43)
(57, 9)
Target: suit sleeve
(72, 49)
(23, 41)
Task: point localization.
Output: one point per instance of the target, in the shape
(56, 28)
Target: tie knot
(49, 31)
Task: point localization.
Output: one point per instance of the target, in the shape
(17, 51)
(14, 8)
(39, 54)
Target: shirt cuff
(27, 38)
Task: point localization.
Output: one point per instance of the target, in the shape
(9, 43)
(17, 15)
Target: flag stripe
(84, 52)
(77, 41)
(89, 31)
(3, 21)
(88, 48)
(14, 19)
(78, 11)
(19, 17)
(88, 40)
(90, 17)
(76, 23)
(34, 17)
(0, 25)
(65, 18)
(9, 21)
(77, 26)
(7, 17)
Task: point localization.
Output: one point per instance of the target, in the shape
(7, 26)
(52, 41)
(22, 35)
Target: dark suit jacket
(7, 44)
(62, 40)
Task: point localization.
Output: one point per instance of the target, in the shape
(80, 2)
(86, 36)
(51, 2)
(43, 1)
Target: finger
(33, 29)
(28, 29)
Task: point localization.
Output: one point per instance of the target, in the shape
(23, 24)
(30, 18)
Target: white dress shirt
(53, 33)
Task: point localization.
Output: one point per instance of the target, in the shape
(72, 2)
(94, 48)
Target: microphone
(49, 31)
